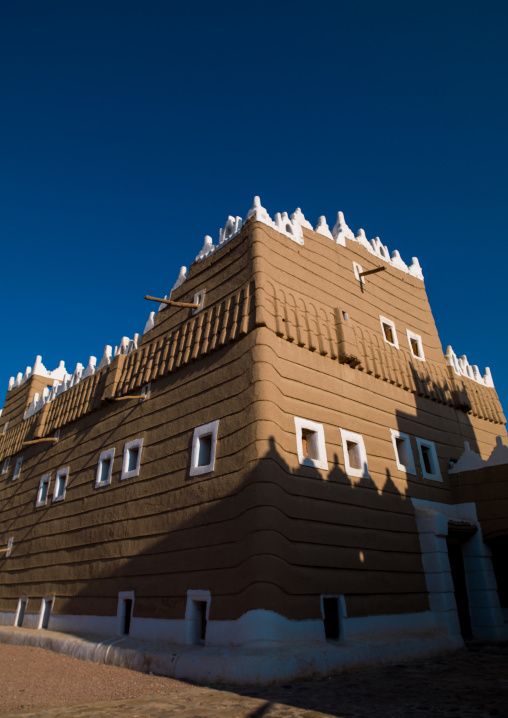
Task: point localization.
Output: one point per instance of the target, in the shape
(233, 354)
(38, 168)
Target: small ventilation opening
(310, 447)
(289, 229)
(331, 618)
(104, 472)
(132, 458)
(21, 613)
(126, 616)
(388, 332)
(354, 455)
(205, 450)
(427, 459)
(46, 613)
(403, 452)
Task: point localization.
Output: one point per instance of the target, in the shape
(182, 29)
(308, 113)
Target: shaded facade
(271, 465)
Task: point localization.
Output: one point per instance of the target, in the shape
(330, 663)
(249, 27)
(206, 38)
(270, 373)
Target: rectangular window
(124, 612)
(43, 490)
(45, 614)
(415, 344)
(204, 446)
(331, 617)
(196, 616)
(428, 460)
(355, 456)
(104, 468)
(389, 332)
(310, 443)
(17, 468)
(20, 613)
(5, 427)
(403, 452)
(5, 467)
(60, 484)
(131, 459)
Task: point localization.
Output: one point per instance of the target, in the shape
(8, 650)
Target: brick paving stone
(471, 683)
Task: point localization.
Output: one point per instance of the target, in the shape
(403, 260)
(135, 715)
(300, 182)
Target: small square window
(428, 460)
(104, 468)
(43, 490)
(4, 431)
(358, 270)
(204, 444)
(199, 298)
(416, 346)
(310, 443)
(60, 484)
(403, 452)
(17, 468)
(131, 459)
(5, 467)
(355, 456)
(389, 332)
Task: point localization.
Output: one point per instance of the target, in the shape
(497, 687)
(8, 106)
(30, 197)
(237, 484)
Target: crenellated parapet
(291, 227)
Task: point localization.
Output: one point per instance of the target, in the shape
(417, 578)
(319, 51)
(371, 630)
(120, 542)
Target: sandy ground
(36, 678)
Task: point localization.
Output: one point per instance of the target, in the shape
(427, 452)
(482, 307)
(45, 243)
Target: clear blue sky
(129, 130)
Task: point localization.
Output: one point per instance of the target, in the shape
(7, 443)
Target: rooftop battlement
(59, 380)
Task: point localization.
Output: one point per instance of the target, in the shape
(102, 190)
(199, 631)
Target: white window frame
(418, 340)
(10, 542)
(5, 428)
(108, 454)
(210, 429)
(5, 467)
(363, 472)
(61, 473)
(321, 462)
(17, 468)
(21, 602)
(391, 324)
(436, 476)
(192, 618)
(46, 479)
(357, 269)
(410, 468)
(199, 298)
(44, 602)
(134, 444)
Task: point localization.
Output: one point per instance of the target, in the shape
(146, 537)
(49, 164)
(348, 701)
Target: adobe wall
(261, 531)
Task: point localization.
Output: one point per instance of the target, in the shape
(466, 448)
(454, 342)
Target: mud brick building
(292, 460)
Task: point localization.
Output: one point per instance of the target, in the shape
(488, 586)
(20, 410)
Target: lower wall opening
(47, 605)
(331, 618)
(20, 616)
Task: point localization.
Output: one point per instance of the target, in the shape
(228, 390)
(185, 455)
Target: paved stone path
(470, 683)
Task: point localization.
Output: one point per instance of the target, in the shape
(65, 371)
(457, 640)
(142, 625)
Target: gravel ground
(36, 678)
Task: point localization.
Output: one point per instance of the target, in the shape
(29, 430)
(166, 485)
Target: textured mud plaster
(244, 488)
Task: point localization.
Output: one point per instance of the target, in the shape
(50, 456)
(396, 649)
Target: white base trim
(275, 649)
(487, 621)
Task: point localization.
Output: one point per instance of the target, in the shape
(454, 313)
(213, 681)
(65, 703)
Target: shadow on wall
(279, 539)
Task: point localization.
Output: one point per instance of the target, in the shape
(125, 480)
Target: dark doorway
(454, 544)
(331, 617)
(499, 548)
